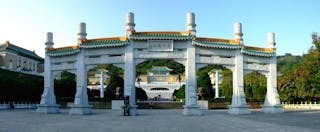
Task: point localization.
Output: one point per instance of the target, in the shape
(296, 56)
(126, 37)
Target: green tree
(66, 85)
(141, 94)
(302, 82)
(116, 80)
(204, 81)
(180, 94)
(226, 85)
(255, 86)
(20, 87)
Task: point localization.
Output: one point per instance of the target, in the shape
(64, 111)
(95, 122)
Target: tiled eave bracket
(63, 51)
(85, 44)
(104, 42)
(255, 51)
(216, 43)
(160, 36)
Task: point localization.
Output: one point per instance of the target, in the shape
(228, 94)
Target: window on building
(10, 65)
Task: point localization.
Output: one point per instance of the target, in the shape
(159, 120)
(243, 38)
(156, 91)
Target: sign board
(160, 45)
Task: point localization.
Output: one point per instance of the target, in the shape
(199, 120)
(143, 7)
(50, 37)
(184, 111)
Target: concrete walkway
(159, 121)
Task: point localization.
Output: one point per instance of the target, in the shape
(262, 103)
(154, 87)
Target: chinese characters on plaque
(160, 45)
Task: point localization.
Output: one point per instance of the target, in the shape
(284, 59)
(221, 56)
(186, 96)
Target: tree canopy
(302, 82)
(20, 87)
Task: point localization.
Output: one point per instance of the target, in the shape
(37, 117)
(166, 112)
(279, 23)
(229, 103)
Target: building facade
(159, 82)
(16, 58)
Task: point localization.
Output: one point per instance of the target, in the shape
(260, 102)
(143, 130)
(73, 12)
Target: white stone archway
(184, 47)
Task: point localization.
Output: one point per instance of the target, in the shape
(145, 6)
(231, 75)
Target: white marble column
(130, 23)
(81, 105)
(101, 84)
(129, 78)
(238, 104)
(272, 102)
(191, 107)
(191, 23)
(217, 85)
(48, 99)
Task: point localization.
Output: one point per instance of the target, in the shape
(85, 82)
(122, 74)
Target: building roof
(159, 68)
(160, 35)
(232, 44)
(62, 51)
(216, 43)
(104, 42)
(21, 51)
(255, 51)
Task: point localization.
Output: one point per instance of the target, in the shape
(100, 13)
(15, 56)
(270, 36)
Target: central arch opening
(160, 78)
(255, 88)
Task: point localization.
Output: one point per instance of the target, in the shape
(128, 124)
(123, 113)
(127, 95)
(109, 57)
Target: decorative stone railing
(6, 105)
(302, 105)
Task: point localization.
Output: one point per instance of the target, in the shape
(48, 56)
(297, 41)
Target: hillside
(286, 62)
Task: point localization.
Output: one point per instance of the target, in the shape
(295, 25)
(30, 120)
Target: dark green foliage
(302, 82)
(316, 41)
(116, 80)
(180, 94)
(66, 85)
(93, 93)
(255, 86)
(20, 87)
(204, 81)
(226, 85)
(286, 62)
(141, 94)
(210, 67)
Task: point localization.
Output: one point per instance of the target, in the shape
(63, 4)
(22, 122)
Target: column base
(133, 110)
(48, 109)
(80, 109)
(239, 110)
(192, 110)
(272, 109)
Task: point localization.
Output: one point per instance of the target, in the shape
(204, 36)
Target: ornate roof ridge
(163, 32)
(122, 38)
(64, 48)
(231, 41)
(159, 67)
(270, 50)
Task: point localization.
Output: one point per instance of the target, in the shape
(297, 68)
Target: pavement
(155, 120)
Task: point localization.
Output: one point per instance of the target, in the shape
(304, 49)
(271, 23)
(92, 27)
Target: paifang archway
(184, 47)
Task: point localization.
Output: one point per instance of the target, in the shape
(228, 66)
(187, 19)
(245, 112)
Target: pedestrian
(151, 104)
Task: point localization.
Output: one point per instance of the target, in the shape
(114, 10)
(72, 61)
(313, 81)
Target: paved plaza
(159, 121)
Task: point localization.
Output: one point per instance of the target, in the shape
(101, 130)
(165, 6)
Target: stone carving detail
(44, 95)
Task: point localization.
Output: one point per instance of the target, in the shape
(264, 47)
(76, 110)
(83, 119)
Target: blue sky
(25, 22)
